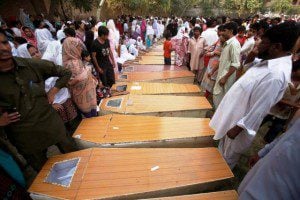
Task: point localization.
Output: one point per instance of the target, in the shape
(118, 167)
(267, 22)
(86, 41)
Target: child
(167, 49)
(140, 44)
(196, 49)
(86, 59)
(241, 35)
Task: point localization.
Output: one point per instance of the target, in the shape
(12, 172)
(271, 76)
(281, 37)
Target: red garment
(120, 28)
(31, 40)
(143, 29)
(241, 40)
(167, 49)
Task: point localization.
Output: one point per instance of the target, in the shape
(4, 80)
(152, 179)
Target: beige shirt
(196, 49)
(230, 57)
(283, 111)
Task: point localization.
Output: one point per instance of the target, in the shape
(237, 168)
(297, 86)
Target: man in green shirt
(26, 114)
(229, 63)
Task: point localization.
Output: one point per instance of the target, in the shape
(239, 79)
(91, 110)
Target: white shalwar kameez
(43, 37)
(54, 54)
(276, 175)
(247, 103)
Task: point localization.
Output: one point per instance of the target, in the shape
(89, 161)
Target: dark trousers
(108, 77)
(38, 159)
(167, 61)
(275, 128)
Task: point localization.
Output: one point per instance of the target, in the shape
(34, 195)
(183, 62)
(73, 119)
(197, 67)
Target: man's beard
(263, 55)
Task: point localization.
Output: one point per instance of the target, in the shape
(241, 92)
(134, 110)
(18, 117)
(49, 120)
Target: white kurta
(247, 103)
(211, 36)
(248, 46)
(230, 57)
(196, 49)
(276, 175)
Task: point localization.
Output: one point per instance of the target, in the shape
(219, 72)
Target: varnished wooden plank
(154, 76)
(152, 68)
(146, 88)
(223, 195)
(153, 105)
(137, 173)
(40, 187)
(133, 130)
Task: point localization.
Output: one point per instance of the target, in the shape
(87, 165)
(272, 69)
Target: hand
(58, 107)
(222, 81)
(51, 94)
(7, 119)
(209, 75)
(100, 71)
(235, 131)
(253, 160)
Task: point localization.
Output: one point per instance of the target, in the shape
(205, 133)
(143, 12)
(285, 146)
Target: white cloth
(60, 35)
(276, 175)
(155, 27)
(250, 99)
(54, 54)
(161, 29)
(180, 33)
(125, 27)
(22, 51)
(125, 55)
(52, 29)
(150, 30)
(248, 46)
(133, 50)
(210, 35)
(13, 49)
(140, 44)
(43, 37)
(16, 31)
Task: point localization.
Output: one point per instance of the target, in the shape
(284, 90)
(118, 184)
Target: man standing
(196, 50)
(229, 63)
(103, 57)
(210, 34)
(276, 174)
(249, 100)
(26, 112)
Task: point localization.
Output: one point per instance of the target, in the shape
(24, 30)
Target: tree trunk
(101, 2)
(39, 6)
(63, 10)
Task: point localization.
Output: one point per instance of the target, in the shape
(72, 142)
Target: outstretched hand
(7, 119)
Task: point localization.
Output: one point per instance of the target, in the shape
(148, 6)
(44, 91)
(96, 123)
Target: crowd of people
(54, 73)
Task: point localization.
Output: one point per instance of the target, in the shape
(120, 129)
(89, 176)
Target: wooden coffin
(157, 53)
(156, 105)
(152, 68)
(223, 195)
(158, 77)
(146, 88)
(151, 62)
(149, 58)
(143, 131)
(131, 173)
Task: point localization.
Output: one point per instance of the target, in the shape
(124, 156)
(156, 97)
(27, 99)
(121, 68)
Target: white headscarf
(43, 37)
(60, 35)
(54, 54)
(22, 51)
